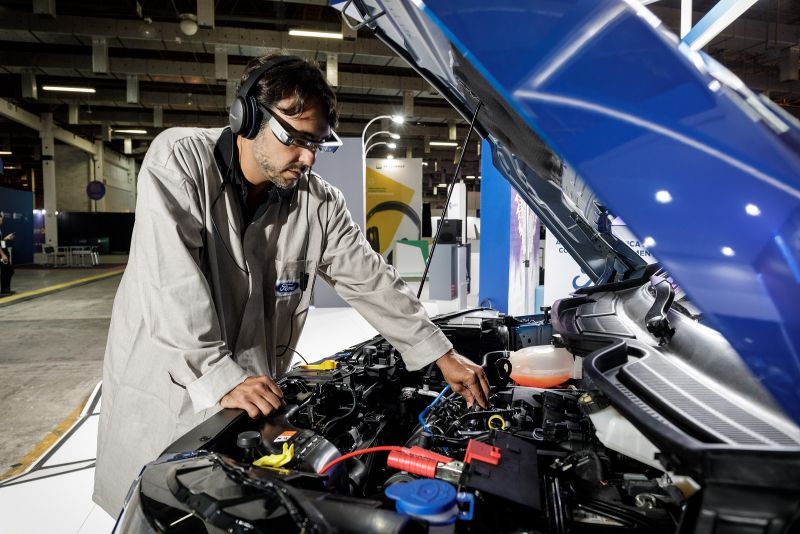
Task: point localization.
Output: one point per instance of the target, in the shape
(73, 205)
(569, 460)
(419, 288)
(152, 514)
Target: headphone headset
(245, 116)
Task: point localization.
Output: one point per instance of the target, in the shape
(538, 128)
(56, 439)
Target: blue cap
(422, 497)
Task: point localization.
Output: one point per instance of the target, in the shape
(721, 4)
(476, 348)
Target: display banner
(509, 259)
(394, 201)
(562, 274)
(523, 265)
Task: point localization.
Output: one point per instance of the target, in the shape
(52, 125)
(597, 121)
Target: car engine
(364, 445)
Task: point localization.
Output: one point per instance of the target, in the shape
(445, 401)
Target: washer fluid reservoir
(541, 366)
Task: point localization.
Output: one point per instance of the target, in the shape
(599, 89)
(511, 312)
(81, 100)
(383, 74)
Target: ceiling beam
(115, 98)
(190, 72)
(246, 42)
(743, 33)
(17, 114)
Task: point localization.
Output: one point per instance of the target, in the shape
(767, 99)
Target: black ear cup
(245, 116)
(253, 116)
(236, 115)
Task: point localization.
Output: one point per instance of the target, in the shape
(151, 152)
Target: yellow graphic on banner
(380, 189)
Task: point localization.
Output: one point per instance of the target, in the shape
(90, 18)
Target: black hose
(350, 412)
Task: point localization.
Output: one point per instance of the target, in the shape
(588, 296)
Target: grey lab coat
(189, 323)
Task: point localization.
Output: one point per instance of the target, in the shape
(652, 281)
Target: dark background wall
(82, 228)
(17, 207)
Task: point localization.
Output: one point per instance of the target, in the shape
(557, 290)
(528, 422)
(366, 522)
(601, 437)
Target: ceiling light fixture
(65, 89)
(390, 156)
(318, 34)
(188, 23)
(141, 132)
(392, 145)
(5, 152)
(443, 143)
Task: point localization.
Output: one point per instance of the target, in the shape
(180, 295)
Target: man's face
(283, 165)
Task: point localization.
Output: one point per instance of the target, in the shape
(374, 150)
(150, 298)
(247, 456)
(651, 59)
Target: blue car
(680, 404)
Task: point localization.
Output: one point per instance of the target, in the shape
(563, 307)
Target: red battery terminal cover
(417, 460)
(482, 453)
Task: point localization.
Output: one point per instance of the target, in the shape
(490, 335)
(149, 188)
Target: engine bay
(365, 445)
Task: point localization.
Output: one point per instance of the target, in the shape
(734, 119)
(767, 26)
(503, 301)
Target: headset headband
(249, 83)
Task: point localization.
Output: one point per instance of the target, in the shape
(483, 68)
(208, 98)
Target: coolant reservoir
(542, 366)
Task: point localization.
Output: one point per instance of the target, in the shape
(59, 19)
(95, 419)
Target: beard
(284, 177)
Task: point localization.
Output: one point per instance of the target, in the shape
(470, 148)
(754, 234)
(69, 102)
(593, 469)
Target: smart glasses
(331, 144)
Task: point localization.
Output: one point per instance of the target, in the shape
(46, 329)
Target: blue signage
(96, 190)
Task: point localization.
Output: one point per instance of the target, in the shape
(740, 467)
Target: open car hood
(597, 95)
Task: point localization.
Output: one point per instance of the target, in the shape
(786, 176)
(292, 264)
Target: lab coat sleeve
(361, 277)
(179, 312)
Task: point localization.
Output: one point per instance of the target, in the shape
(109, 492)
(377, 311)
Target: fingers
(474, 388)
(274, 388)
(484, 385)
(257, 395)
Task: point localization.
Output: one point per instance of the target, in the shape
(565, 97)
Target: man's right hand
(257, 395)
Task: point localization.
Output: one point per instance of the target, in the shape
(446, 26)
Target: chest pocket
(287, 289)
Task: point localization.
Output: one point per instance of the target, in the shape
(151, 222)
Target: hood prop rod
(449, 194)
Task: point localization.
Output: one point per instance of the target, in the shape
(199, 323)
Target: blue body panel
(612, 93)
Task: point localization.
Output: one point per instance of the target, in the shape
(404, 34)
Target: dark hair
(299, 80)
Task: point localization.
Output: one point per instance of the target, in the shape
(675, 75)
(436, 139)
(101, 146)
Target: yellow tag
(276, 460)
(327, 365)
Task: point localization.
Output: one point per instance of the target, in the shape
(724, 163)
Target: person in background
(6, 268)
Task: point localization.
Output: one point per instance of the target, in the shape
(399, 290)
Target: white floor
(55, 494)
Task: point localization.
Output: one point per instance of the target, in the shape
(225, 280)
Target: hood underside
(593, 105)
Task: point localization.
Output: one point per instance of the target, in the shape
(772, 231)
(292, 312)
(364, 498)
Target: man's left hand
(465, 377)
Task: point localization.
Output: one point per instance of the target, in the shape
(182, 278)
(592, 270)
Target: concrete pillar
(451, 130)
(29, 88)
(90, 162)
(49, 179)
(230, 92)
(132, 86)
(789, 64)
(221, 62)
(332, 68)
(158, 116)
(348, 33)
(408, 103)
(44, 8)
(99, 171)
(99, 55)
(132, 178)
(205, 13)
(72, 115)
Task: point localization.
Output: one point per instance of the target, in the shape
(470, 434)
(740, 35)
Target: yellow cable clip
(327, 365)
(277, 460)
(495, 418)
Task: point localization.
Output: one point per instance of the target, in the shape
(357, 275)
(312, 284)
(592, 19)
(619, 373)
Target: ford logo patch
(286, 287)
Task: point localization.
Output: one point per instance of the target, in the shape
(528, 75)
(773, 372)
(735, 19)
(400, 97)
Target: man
(230, 234)
(6, 268)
